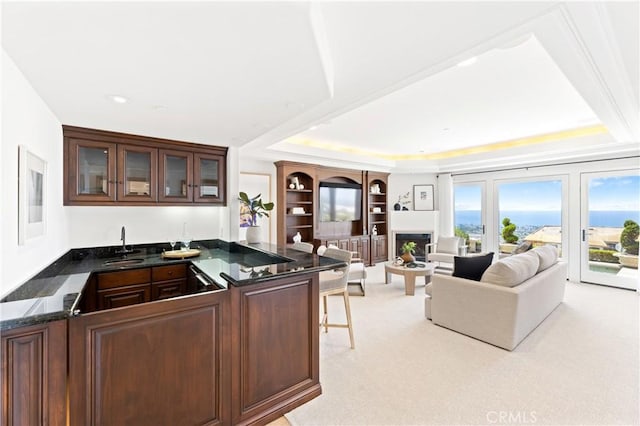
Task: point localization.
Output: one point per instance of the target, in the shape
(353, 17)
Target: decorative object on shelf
(374, 230)
(375, 189)
(408, 249)
(403, 200)
(297, 210)
(377, 210)
(295, 182)
(423, 197)
(250, 210)
(297, 238)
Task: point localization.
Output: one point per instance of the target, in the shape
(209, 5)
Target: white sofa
(514, 295)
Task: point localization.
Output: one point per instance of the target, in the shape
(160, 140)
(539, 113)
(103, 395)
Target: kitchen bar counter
(54, 292)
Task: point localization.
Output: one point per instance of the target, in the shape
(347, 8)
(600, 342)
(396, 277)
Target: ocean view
(529, 221)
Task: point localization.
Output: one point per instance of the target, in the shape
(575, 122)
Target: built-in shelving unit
(377, 215)
(298, 204)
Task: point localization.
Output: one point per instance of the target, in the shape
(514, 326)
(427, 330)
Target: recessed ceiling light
(118, 99)
(468, 62)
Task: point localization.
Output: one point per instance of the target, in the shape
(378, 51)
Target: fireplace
(420, 238)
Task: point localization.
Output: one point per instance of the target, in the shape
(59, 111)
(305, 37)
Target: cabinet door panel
(138, 366)
(34, 371)
(168, 289)
(124, 296)
(209, 172)
(91, 170)
(137, 173)
(175, 176)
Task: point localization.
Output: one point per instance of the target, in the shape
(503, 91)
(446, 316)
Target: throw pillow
(471, 267)
(522, 247)
(447, 245)
(547, 255)
(512, 270)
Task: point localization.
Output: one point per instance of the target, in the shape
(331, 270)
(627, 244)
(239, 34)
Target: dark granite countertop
(54, 292)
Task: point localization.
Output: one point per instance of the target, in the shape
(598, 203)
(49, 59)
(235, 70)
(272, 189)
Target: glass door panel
(93, 171)
(530, 211)
(469, 216)
(137, 174)
(609, 237)
(175, 177)
(208, 172)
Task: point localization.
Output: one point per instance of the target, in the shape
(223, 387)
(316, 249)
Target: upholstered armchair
(445, 249)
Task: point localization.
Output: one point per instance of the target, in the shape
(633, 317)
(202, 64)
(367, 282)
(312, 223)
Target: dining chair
(336, 282)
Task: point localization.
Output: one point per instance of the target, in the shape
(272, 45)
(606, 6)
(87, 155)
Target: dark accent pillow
(471, 267)
(522, 247)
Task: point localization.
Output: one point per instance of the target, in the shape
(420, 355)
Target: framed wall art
(423, 197)
(32, 178)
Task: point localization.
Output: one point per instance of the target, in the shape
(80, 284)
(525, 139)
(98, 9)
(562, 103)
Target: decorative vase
(297, 238)
(397, 206)
(254, 234)
(408, 257)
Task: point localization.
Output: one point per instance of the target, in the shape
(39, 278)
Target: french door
(469, 214)
(609, 201)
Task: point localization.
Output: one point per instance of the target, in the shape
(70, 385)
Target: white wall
(401, 183)
(100, 226)
(27, 120)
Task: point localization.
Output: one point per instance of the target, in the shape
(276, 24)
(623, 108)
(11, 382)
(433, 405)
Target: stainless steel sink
(123, 262)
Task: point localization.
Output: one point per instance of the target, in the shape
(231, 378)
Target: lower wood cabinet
(165, 363)
(359, 244)
(379, 252)
(241, 356)
(124, 296)
(34, 374)
(275, 355)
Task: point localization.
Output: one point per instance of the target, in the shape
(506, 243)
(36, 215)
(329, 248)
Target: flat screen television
(340, 202)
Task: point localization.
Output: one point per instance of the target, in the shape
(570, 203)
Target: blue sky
(607, 193)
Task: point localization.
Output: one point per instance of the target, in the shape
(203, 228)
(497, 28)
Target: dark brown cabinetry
(298, 205)
(34, 374)
(134, 286)
(377, 210)
(108, 168)
(275, 357)
(168, 281)
(164, 363)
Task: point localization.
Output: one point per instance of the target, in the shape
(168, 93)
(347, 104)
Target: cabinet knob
(195, 186)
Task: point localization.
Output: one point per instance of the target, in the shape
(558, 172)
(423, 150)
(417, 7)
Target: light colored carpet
(580, 366)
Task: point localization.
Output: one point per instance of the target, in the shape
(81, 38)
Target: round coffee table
(409, 275)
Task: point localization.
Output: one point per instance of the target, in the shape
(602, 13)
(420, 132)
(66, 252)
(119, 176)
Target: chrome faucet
(123, 237)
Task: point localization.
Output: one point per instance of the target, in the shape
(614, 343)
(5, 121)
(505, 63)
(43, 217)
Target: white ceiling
(378, 79)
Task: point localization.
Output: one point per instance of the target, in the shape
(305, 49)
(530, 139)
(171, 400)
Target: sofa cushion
(512, 270)
(547, 255)
(471, 267)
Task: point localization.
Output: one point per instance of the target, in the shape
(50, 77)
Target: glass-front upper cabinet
(175, 177)
(92, 170)
(137, 173)
(209, 175)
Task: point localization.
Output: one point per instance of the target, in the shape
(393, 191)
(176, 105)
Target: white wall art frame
(32, 183)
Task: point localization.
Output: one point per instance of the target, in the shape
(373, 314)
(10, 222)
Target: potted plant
(629, 243)
(508, 236)
(408, 249)
(252, 209)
